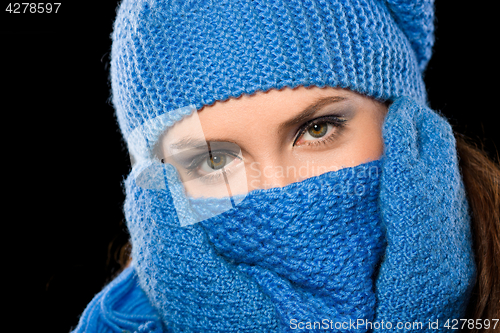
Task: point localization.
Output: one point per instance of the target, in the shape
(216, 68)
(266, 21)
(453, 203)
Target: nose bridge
(267, 173)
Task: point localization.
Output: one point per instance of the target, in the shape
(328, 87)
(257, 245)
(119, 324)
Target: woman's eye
(317, 131)
(320, 130)
(216, 161)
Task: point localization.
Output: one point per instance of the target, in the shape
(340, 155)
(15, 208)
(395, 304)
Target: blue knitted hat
(316, 251)
(171, 57)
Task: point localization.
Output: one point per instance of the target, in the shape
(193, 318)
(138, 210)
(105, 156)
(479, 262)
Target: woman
(288, 174)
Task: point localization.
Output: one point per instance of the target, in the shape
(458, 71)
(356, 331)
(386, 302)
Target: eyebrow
(310, 110)
(190, 142)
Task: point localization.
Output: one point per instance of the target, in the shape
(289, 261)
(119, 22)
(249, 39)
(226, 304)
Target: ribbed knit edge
(167, 56)
(120, 307)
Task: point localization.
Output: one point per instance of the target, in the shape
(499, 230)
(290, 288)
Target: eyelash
(332, 120)
(213, 176)
(217, 175)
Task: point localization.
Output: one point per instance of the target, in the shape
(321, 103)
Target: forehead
(263, 109)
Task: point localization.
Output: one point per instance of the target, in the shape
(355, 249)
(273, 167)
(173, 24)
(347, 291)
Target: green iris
(216, 162)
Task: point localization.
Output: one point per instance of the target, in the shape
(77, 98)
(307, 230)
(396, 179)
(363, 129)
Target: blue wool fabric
(428, 269)
(383, 247)
(171, 56)
(387, 241)
(282, 253)
(121, 307)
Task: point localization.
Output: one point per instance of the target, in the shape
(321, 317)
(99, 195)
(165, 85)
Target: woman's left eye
(317, 131)
(320, 130)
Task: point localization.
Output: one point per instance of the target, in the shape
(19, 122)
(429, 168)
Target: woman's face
(275, 138)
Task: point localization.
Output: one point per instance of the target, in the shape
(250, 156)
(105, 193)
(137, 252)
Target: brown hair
(482, 182)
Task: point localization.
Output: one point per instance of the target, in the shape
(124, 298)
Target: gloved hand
(428, 268)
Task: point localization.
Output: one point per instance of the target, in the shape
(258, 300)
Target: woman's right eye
(213, 164)
(207, 165)
(216, 161)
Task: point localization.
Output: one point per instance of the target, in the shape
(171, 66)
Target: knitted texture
(282, 254)
(428, 269)
(120, 307)
(390, 246)
(170, 57)
(398, 250)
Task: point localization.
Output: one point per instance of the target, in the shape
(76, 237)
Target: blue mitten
(428, 268)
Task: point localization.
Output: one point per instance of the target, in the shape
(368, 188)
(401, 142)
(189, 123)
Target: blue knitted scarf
(355, 250)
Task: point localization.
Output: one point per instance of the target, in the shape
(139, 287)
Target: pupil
(318, 130)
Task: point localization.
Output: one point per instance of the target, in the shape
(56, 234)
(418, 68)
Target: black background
(64, 160)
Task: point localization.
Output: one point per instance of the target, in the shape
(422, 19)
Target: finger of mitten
(400, 132)
(416, 135)
(438, 151)
(420, 152)
(400, 160)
